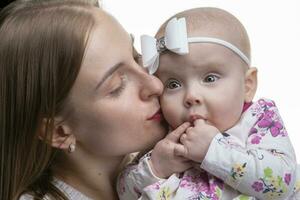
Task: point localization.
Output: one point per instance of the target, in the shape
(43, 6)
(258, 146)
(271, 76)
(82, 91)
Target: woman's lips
(157, 116)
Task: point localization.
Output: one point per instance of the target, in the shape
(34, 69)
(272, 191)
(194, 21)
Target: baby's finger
(175, 134)
(183, 139)
(199, 122)
(180, 150)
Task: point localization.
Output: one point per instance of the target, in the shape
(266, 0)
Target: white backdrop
(274, 31)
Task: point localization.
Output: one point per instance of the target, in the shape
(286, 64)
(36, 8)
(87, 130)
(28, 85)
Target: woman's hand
(164, 161)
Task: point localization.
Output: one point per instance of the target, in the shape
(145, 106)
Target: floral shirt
(252, 160)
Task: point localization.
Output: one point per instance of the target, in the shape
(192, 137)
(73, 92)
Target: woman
(74, 101)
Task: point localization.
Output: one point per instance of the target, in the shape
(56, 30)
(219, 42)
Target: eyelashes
(117, 92)
(211, 78)
(172, 84)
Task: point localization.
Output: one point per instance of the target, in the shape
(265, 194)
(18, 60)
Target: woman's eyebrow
(112, 69)
(108, 73)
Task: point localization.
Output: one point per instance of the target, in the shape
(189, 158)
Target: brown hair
(41, 50)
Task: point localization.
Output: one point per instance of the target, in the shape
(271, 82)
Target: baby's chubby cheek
(172, 115)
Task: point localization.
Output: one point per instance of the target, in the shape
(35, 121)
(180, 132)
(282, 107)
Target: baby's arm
(143, 179)
(265, 167)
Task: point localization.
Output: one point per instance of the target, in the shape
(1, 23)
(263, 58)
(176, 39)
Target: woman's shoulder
(67, 190)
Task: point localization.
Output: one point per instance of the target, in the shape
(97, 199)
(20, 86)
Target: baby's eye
(211, 78)
(173, 84)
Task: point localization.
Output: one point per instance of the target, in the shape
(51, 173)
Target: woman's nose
(151, 86)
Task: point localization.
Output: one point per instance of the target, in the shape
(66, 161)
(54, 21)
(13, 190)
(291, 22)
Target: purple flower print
(269, 114)
(274, 126)
(269, 104)
(287, 178)
(257, 186)
(275, 129)
(255, 140)
(253, 130)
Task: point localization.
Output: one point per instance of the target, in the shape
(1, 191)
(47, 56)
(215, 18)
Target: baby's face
(207, 83)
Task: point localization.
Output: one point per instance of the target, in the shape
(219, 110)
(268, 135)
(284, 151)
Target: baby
(221, 144)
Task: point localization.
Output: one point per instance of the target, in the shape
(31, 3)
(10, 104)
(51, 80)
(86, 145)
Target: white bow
(175, 40)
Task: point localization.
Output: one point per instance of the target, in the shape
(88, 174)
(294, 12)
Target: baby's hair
(214, 22)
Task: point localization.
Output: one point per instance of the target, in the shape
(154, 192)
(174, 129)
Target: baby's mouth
(194, 117)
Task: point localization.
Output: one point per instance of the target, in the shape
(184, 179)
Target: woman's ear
(250, 84)
(62, 137)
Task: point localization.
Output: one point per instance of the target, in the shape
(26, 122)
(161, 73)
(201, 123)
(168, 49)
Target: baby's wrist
(157, 172)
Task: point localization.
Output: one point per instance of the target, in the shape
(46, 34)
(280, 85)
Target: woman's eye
(117, 92)
(173, 84)
(211, 78)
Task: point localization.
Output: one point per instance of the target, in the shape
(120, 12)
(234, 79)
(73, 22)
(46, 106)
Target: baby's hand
(196, 140)
(163, 160)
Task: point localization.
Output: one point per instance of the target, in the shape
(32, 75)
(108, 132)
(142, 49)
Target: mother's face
(113, 98)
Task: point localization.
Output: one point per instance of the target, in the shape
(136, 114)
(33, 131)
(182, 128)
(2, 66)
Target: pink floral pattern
(230, 160)
(268, 122)
(202, 184)
(270, 185)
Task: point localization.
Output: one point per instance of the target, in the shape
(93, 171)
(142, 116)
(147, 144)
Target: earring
(71, 148)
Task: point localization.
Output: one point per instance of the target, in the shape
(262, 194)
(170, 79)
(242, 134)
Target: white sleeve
(264, 164)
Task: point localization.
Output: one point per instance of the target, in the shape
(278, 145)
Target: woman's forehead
(108, 45)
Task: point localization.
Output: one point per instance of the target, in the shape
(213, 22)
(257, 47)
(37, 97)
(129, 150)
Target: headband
(175, 39)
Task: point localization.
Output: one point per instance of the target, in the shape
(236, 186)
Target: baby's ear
(61, 134)
(250, 84)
